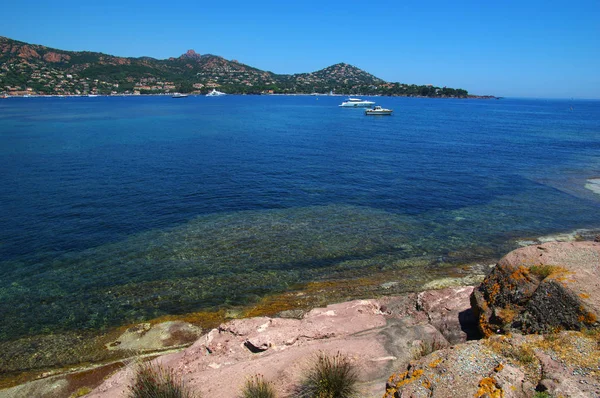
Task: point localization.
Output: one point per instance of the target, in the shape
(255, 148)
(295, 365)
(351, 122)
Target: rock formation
(565, 364)
(378, 336)
(554, 289)
(541, 288)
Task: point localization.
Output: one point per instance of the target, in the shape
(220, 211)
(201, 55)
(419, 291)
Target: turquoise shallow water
(116, 210)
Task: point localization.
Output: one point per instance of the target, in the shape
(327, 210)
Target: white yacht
(179, 95)
(378, 111)
(215, 93)
(357, 103)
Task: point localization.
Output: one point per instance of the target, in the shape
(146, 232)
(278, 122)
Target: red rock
(26, 52)
(55, 57)
(378, 336)
(191, 54)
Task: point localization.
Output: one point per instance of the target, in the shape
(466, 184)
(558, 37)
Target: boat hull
(378, 113)
(366, 104)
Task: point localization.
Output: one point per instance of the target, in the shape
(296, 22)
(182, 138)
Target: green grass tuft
(329, 377)
(154, 381)
(81, 392)
(258, 387)
(542, 271)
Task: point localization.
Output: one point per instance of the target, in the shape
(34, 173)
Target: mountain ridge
(36, 69)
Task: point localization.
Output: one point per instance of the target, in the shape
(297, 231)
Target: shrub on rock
(329, 377)
(154, 381)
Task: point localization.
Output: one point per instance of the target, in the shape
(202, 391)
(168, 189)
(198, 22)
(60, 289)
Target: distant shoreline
(240, 94)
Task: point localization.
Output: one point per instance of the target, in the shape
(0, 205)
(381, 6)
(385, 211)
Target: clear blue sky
(506, 48)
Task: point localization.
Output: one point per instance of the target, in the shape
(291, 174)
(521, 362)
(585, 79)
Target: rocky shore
(530, 326)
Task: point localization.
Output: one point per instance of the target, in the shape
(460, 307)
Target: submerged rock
(145, 337)
(541, 288)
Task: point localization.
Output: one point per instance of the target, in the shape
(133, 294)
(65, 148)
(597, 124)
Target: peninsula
(30, 69)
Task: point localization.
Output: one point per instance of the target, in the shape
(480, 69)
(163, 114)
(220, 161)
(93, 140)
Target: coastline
(169, 94)
(88, 351)
(417, 331)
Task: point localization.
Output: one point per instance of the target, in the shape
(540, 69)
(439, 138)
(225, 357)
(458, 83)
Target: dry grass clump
(258, 387)
(428, 347)
(329, 377)
(154, 381)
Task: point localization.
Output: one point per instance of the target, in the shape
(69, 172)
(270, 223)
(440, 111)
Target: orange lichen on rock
(494, 290)
(405, 378)
(586, 317)
(560, 274)
(507, 314)
(392, 380)
(485, 327)
(521, 273)
(489, 388)
(579, 349)
(435, 363)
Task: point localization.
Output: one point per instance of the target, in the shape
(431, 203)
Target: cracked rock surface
(378, 336)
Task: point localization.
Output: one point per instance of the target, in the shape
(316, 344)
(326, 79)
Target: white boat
(215, 93)
(179, 95)
(357, 103)
(378, 111)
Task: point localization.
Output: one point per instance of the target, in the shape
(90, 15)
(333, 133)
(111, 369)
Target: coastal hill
(36, 69)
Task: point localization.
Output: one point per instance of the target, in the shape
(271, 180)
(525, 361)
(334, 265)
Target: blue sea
(115, 210)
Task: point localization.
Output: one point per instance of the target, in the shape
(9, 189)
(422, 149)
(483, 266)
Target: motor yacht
(215, 93)
(378, 111)
(357, 103)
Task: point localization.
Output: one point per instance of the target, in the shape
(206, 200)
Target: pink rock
(376, 341)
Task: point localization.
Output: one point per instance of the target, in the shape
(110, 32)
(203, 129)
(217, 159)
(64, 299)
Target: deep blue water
(114, 210)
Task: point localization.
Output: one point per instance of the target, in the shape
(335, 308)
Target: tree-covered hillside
(35, 69)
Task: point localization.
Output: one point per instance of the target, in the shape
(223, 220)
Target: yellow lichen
(435, 363)
(488, 387)
(409, 379)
